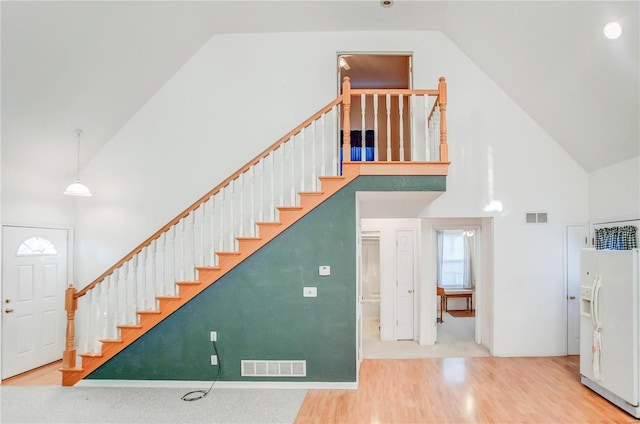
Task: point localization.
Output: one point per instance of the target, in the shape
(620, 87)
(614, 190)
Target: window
(452, 260)
(455, 258)
(36, 246)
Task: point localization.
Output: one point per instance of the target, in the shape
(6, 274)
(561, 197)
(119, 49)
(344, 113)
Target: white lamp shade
(77, 189)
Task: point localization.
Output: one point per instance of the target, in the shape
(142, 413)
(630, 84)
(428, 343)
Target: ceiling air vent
(536, 218)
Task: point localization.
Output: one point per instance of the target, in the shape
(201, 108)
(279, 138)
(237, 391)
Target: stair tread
(292, 208)
(311, 193)
(90, 355)
(331, 177)
(227, 253)
(110, 341)
(129, 326)
(248, 238)
(269, 223)
(186, 283)
(169, 297)
(149, 312)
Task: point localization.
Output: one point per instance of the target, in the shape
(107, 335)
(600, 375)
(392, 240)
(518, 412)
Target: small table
(459, 294)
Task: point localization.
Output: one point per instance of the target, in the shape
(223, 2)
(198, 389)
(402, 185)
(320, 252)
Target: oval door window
(36, 246)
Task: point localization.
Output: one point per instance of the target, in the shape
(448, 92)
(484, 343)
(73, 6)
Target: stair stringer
(207, 276)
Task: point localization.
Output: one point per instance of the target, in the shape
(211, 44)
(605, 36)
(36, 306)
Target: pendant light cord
(78, 133)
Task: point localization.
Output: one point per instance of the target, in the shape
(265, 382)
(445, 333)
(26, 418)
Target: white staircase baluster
(183, 246)
(282, 174)
(427, 152)
(262, 183)
(98, 316)
(153, 274)
(252, 202)
(412, 120)
(172, 264)
(133, 263)
(203, 211)
(363, 132)
(143, 279)
(293, 170)
(191, 267)
(115, 286)
(323, 148)
(314, 165)
(302, 147)
(240, 190)
(125, 290)
(221, 212)
(89, 319)
(212, 245)
(388, 127)
(272, 172)
(335, 146)
(232, 200)
(375, 128)
(400, 112)
(113, 308)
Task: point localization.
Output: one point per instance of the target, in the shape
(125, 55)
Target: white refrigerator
(610, 326)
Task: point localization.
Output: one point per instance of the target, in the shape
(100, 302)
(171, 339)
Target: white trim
(218, 384)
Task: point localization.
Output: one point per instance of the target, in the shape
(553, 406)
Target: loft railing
(407, 126)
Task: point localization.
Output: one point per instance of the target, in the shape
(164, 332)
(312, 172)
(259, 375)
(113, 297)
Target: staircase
(207, 240)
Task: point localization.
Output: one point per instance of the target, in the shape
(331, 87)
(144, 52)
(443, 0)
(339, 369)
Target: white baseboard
(219, 384)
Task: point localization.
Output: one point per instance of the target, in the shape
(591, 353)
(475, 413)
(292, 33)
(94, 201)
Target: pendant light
(77, 188)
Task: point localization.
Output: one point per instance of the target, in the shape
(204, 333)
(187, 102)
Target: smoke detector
(386, 3)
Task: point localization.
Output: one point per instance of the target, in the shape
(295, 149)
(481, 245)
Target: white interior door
(34, 278)
(576, 240)
(405, 277)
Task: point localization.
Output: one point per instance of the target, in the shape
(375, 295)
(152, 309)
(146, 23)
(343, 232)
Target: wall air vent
(536, 218)
(273, 368)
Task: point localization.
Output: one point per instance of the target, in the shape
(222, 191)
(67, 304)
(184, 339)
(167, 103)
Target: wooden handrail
(355, 92)
(204, 198)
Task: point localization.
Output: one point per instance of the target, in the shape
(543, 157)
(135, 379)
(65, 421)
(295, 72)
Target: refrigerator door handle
(596, 347)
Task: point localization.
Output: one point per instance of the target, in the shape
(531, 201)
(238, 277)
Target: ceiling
(93, 65)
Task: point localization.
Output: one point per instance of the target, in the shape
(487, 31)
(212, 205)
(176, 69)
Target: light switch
(309, 292)
(324, 270)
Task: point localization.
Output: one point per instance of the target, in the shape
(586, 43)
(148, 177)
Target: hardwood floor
(463, 390)
(47, 375)
(444, 390)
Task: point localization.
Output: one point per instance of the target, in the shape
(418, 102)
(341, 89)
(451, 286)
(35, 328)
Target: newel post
(442, 97)
(346, 120)
(70, 305)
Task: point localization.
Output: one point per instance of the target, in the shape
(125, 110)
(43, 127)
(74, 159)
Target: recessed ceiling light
(612, 30)
(386, 3)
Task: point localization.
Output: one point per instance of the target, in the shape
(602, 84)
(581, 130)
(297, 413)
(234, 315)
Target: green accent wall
(258, 309)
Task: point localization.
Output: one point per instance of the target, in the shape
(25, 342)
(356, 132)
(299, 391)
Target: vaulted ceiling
(93, 64)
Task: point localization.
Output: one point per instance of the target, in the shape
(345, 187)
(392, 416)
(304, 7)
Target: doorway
(457, 259)
(378, 71)
(34, 279)
(575, 241)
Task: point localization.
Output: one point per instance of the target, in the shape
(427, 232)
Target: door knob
(410, 291)
(8, 310)
(572, 297)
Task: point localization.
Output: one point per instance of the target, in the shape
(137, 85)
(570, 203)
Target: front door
(576, 240)
(405, 277)
(34, 278)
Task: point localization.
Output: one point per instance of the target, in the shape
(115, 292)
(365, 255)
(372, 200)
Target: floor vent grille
(273, 368)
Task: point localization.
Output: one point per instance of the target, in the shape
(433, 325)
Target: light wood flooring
(463, 390)
(444, 390)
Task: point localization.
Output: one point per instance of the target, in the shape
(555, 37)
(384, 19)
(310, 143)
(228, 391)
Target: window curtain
(439, 238)
(616, 238)
(469, 279)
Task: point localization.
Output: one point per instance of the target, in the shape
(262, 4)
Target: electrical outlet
(214, 336)
(214, 359)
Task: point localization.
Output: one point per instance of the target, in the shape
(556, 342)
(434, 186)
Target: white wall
(241, 92)
(614, 192)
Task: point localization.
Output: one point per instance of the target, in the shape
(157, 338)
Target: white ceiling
(92, 65)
